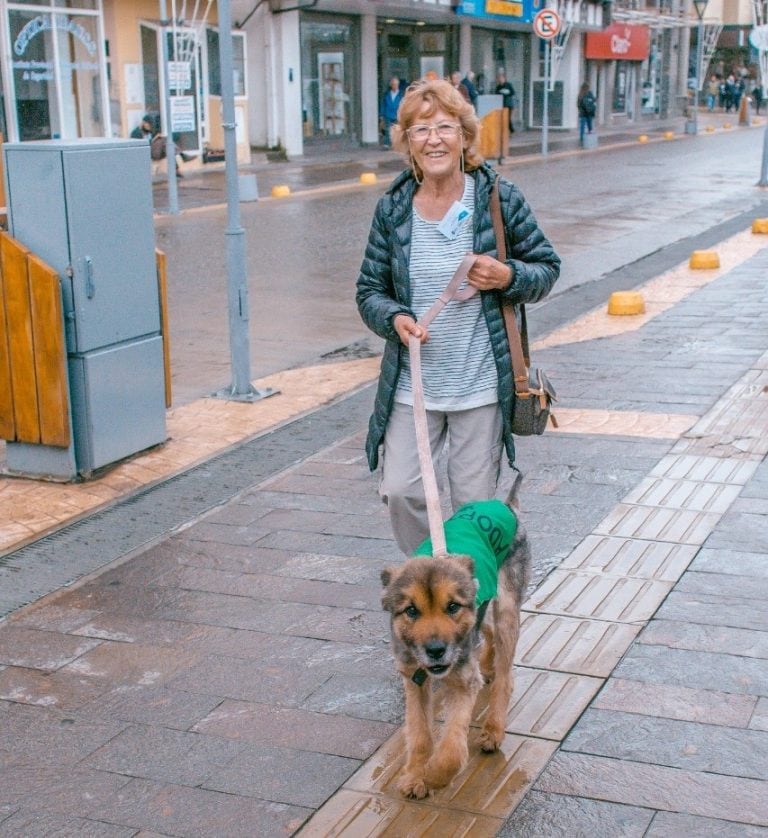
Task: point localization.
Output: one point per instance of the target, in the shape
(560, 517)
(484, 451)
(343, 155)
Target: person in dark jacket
(587, 105)
(388, 106)
(433, 214)
(506, 89)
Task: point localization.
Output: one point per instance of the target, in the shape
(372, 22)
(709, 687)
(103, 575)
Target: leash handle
(428, 477)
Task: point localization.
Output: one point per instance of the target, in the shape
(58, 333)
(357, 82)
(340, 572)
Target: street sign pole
(545, 115)
(758, 38)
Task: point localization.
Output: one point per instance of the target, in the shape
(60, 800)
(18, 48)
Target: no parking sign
(547, 24)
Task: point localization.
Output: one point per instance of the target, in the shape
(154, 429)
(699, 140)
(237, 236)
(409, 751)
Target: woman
(587, 105)
(409, 259)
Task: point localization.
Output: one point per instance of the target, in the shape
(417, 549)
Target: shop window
(214, 62)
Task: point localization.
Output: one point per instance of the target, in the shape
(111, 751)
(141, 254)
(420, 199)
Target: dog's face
(432, 603)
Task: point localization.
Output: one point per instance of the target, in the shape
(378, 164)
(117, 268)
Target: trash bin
(85, 208)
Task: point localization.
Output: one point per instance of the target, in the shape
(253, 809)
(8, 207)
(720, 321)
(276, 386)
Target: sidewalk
(235, 678)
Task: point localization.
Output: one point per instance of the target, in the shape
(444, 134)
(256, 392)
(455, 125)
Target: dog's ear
(467, 563)
(388, 576)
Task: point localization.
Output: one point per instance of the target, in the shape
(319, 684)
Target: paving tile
(759, 720)
(723, 443)
(363, 696)
(144, 632)
(670, 702)
(199, 813)
(168, 756)
(64, 690)
(683, 494)
(567, 644)
(731, 561)
(674, 825)
(349, 814)
(657, 787)
(351, 570)
(28, 824)
(263, 724)
(56, 616)
(681, 744)
(696, 670)
(541, 815)
(631, 557)
(724, 584)
(339, 545)
(750, 530)
(736, 472)
(227, 557)
(739, 612)
(490, 784)
(345, 624)
(282, 775)
(46, 650)
(544, 704)
(624, 600)
(679, 526)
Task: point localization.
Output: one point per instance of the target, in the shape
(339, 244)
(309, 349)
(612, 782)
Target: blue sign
(510, 11)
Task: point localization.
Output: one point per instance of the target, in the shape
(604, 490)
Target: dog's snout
(435, 649)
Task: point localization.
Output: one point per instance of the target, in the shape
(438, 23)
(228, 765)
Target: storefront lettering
(45, 23)
(620, 45)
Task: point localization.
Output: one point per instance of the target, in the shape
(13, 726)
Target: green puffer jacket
(383, 287)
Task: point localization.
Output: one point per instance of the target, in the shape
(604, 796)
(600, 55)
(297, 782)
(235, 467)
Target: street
(601, 211)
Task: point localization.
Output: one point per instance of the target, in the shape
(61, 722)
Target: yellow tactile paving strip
(575, 628)
(197, 431)
(660, 294)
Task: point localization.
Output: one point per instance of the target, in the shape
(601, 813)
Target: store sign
(619, 42)
(511, 11)
(46, 23)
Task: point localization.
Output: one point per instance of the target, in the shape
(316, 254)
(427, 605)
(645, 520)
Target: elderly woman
(416, 242)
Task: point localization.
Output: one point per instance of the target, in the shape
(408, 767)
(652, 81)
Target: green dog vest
(485, 531)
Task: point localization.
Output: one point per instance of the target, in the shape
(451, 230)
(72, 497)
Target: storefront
(624, 51)
(54, 79)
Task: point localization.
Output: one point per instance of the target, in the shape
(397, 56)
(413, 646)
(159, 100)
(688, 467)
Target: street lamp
(701, 7)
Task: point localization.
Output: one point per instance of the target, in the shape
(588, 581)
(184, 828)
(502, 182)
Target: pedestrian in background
(390, 102)
(469, 82)
(587, 106)
(458, 84)
(432, 215)
(505, 88)
(757, 96)
(713, 88)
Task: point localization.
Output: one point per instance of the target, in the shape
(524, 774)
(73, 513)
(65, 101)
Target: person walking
(587, 106)
(469, 82)
(506, 89)
(390, 102)
(458, 84)
(713, 88)
(435, 212)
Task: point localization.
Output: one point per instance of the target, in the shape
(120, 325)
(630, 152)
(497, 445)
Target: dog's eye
(453, 608)
(412, 612)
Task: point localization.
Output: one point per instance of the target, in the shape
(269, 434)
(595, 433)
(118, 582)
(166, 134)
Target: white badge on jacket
(453, 220)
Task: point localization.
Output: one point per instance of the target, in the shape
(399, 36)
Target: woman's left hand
(488, 274)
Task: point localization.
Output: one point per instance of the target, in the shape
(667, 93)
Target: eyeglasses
(444, 130)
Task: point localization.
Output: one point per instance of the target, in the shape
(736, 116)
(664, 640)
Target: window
(214, 62)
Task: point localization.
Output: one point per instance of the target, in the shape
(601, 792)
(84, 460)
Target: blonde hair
(439, 95)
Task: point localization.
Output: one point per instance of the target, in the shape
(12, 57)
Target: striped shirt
(457, 366)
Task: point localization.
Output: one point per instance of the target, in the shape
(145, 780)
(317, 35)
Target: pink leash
(431, 493)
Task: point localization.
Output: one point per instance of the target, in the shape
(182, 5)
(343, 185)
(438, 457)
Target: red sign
(619, 42)
(547, 24)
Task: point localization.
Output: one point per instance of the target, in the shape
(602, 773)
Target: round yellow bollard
(368, 177)
(704, 260)
(281, 191)
(727, 125)
(760, 225)
(669, 135)
(710, 129)
(643, 138)
(626, 302)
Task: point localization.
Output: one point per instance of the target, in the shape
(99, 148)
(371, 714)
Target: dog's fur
(432, 603)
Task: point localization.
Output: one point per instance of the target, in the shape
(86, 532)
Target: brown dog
(440, 634)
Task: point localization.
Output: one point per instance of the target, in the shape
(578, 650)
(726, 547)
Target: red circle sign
(547, 24)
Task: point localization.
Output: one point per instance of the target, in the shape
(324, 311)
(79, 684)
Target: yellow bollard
(760, 225)
(368, 177)
(626, 302)
(704, 260)
(643, 138)
(710, 129)
(727, 125)
(281, 191)
(669, 135)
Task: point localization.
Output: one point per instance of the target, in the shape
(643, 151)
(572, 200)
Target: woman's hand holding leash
(488, 274)
(405, 326)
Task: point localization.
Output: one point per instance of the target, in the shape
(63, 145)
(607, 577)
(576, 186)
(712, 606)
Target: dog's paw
(413, 785)
(491, 738)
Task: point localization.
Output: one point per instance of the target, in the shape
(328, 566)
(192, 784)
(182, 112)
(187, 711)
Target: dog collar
(419, 676)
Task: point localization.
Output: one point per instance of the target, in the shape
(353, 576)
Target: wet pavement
(222, 668)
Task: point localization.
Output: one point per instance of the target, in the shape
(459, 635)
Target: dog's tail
(512, 500)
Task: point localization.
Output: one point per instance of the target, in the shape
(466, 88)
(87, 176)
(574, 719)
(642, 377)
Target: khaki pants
(474, 458)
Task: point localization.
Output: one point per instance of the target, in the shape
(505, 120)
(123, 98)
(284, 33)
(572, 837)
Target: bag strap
(518, 339)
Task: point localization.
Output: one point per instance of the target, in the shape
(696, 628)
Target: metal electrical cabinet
(85, 208)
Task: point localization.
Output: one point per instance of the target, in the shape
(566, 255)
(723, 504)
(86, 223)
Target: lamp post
(701, 7)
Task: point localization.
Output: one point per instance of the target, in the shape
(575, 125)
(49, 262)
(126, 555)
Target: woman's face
(437, 152)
